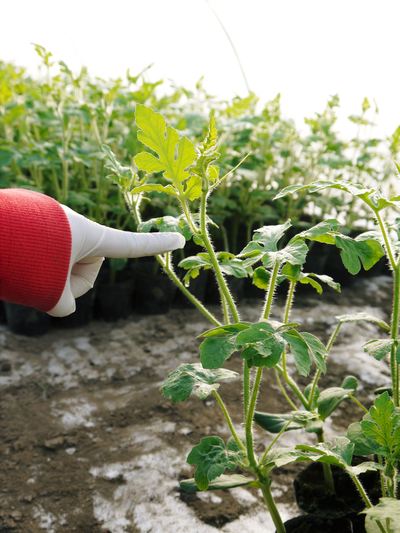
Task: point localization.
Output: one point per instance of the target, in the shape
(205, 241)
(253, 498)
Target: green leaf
(321, 232)
(382, 426)
(339, 452)
(274, 423)
(370, 196)
(175, 154)
(378, 348)
(212, 458)
(320, 185)
(294, 253)
(330, 399)
(362, 444)
(154, 187)
(355, 253)
(261, 278)
(228, 329)
(306, 348)
(363, 317)
(263, 346)
(325, 279)
(232, 266)
(193, 188)
(350, 383)
(294, 273)
(266, 238)
(195, 261)
(167, 223)
(203, 168)
(214, 351)
(254, 333)
(220, 483)
(387, 512)
(193, 379)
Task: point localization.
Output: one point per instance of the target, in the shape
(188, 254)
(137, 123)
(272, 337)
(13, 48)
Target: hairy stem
(286, 316)
(327, 470)
(386, 239)
(283, 391)
(394, 367)
(357, 402)
(214, 261)
(274, 441)
(168, 269)
(269, 297)
(289, 301)
(294, 387)
(246, 388)
(228, 420)
(249, 420)
(361, 491)
(265, 486)
(318, 373)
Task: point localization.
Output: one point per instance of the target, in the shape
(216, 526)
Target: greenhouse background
(246, 379)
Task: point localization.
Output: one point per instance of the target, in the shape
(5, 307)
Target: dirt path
(88, 444)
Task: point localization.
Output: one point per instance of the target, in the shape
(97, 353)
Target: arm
(50, 255)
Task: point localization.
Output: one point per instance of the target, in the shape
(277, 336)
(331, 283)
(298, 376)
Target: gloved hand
(92, 242)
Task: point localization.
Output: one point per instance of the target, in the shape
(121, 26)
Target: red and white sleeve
(35, 248)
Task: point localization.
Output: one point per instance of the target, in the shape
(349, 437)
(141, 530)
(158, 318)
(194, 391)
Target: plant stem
(286, 316)
(225, 309)
(133, 207)
(386, 239)
(394, 334)
(175, 279)
(228, 420)
(361, 491)
(265, 486)
(318, 373)
(366, 499)
(189, 219)
(249, 420)
(246, 388)
(289, 301)
(271, 291)
(253, 400)
(274, 441)
(214, 261)
(357, 402)
(283, 391)
(327, 470)
(295, 388)
(394, 367)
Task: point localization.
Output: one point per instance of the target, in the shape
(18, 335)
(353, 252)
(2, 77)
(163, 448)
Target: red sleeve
(35, 248)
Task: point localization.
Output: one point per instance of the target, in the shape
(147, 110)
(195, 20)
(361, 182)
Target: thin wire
(232, 45)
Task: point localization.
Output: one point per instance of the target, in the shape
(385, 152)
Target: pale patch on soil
(93, 447)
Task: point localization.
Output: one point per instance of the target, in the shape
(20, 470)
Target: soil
(89, 445)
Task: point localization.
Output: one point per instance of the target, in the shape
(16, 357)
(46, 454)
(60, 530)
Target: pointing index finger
(115, 243)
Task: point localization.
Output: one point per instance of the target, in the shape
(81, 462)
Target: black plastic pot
(319, 524)
(313, 498)
(197, 288)
(154, 291)
(114, 301)
(3, 318)
(317, 258)
(26, 320)
(83, 314)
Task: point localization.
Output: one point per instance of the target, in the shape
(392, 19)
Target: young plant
(189, 174)
(378, 433)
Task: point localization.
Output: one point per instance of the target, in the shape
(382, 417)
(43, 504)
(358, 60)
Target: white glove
(92, 242)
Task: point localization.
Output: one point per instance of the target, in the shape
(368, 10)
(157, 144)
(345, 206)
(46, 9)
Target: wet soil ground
(89, 445)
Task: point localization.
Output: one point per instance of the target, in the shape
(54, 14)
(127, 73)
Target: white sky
(305, 49)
